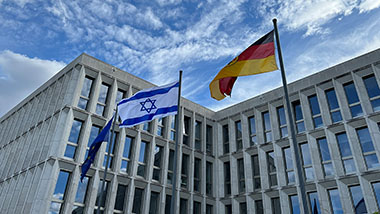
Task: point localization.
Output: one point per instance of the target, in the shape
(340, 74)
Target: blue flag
(360, 207)
(103, 136)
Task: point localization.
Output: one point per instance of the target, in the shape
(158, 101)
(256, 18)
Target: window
(143, 158)
(186, 131)
(157, 162)
(373, 91)
(72, 143)
(99, 195)
(160, 126)
(345, 152)
(282, 121)
(126, 156)
(185, 171)
(102, 99)
(209, 139)
(198, 135)
(95, 130)
(252, 131)
(170, 166)
(243, 208)
(197, 207)
(325, 156)
(226, 144)
(271, 169)
(120, 94)
(197, 175)
(276, 207)
(315, 111)
(120, 197)
(353, 99)
(295, 205)
(59, 192)
(112, 153)
(241, 177)
(227, 178)
(357, 199)
(336, 205)
(167, 204)
(298, 116)
(376, 189)
(256, 172)
(209, 172)
(85, 93)
(267, 127)
(314, 202)
(136, 209)
(367, 148)
(172, 127)
(154, 203)
(333, 105)
(146, 126)
(238, 136)
(228, 209)
(307, 165)
(259, 207)
(209, 209)
(80, 197)
(289, 165)
(183, 206)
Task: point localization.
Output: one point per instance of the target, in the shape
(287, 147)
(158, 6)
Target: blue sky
(155, 39)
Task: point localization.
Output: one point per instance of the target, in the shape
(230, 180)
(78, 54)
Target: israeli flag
(149, 104)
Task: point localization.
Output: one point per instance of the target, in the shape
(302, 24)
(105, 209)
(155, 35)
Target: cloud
(21, 75)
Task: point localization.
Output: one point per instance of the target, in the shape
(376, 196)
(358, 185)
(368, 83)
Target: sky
(154, 39)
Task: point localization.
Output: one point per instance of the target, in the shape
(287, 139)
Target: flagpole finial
(274, 20)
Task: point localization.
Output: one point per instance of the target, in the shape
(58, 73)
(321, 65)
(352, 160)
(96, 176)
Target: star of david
(145, 107)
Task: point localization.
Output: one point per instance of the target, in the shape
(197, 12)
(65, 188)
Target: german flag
(257, 58)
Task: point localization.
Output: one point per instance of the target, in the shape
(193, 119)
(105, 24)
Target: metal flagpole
(172, 203)
(108, 159)
(300, 175)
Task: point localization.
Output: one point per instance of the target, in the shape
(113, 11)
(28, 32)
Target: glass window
(120, 197)
(238, 136)
(143, 158)
(157, 162)
(353, 99)
(209, 173)
(325, 157)
(259, 207)
(315, 111)
(252, 131)
(267, 127)
(226, 144)
(185, 171)
(256, 172)
(271, 169)
(289, 165)
(186, 131)
(227, 178)
(209, 139)
(314, 202)
(298, 116)
(276, 207)
(376, 188)
(102, 99)
(146, 127)
(333, 105)
(99, 195)
(345, 152)
(95, 130)
(282, 121)
(357, 199)
(120, 94)
(173, 127)
(59, 192)
(295, 204)
(228, 209)
(373, 91)
(167, 204)
(81, 192)
(161, 126)
(138, 198)
(307, 165)
(209, 209)
(112, 153)
(197, 139)
(72, 143)
(336, 205)
(183, 206)
(367, 148)
(125, 159)
(197, 207)
(85, 93)
(197, 174)
(170, 166)
(243, 208)
(241, 177)
(154, 203)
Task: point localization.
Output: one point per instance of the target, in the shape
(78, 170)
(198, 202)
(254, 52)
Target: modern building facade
(236, 160)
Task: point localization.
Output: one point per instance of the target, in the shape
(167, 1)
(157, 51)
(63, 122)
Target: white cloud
(368, 5)
(21, 75)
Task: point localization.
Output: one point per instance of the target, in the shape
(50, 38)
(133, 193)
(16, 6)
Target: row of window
(353, 101)
(324, 148)
(83, 192)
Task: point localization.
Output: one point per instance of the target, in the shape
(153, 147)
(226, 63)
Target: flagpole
(106, 167)
(300, 175)
(173, 199)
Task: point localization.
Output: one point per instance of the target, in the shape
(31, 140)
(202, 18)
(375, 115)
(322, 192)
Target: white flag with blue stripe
(149, 104)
